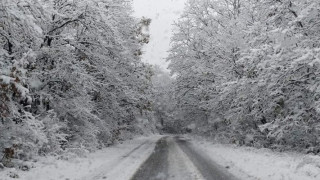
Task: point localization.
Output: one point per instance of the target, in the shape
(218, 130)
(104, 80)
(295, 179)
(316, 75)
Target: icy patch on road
(118, 162)
(263, 164)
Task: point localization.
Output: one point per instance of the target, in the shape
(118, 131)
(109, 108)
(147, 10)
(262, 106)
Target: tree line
(71, 76)
(247, 72)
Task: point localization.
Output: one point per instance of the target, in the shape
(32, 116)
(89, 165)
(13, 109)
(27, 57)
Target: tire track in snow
(125, 166)
(209, 169)
(135, 149)
(156, 166)
(177, 159)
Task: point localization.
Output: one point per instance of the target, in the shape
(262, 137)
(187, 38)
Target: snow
(121, 161)
(180, 165)
(6, 79)
(35, 83)
(117, 162)
(263, 164)
(24, 91)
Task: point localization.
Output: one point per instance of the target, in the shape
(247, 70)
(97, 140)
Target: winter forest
(71, 78)
(247, 72)
(243, 72)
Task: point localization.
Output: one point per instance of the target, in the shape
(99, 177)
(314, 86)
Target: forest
(247, 72)
(71, 78)
(242, 72)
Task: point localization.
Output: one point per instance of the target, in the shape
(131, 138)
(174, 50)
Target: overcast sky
(163, 13)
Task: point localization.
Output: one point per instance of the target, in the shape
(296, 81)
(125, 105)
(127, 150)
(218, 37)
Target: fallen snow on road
(180, 166)
(263, 164)
(116, 163)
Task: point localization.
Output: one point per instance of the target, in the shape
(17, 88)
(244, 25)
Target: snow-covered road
(124, 166)
(175, 158)
(118, 162)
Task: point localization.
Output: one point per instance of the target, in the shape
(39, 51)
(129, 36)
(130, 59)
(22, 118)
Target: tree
(70, 76)
(252, 67)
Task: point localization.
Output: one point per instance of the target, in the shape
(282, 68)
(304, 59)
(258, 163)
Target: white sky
(163, 13)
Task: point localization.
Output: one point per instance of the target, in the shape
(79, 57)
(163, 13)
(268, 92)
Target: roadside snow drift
(263, 164)
(118, 162)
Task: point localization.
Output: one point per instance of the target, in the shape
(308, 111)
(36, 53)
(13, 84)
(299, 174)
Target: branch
(61, 26)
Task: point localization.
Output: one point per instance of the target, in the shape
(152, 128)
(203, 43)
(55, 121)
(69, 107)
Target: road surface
(175, 158)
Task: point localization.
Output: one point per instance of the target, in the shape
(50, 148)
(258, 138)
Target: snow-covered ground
(118, 162)
(263, 164)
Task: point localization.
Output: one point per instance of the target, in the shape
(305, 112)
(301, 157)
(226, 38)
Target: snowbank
(263, 164)
(117, 162)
